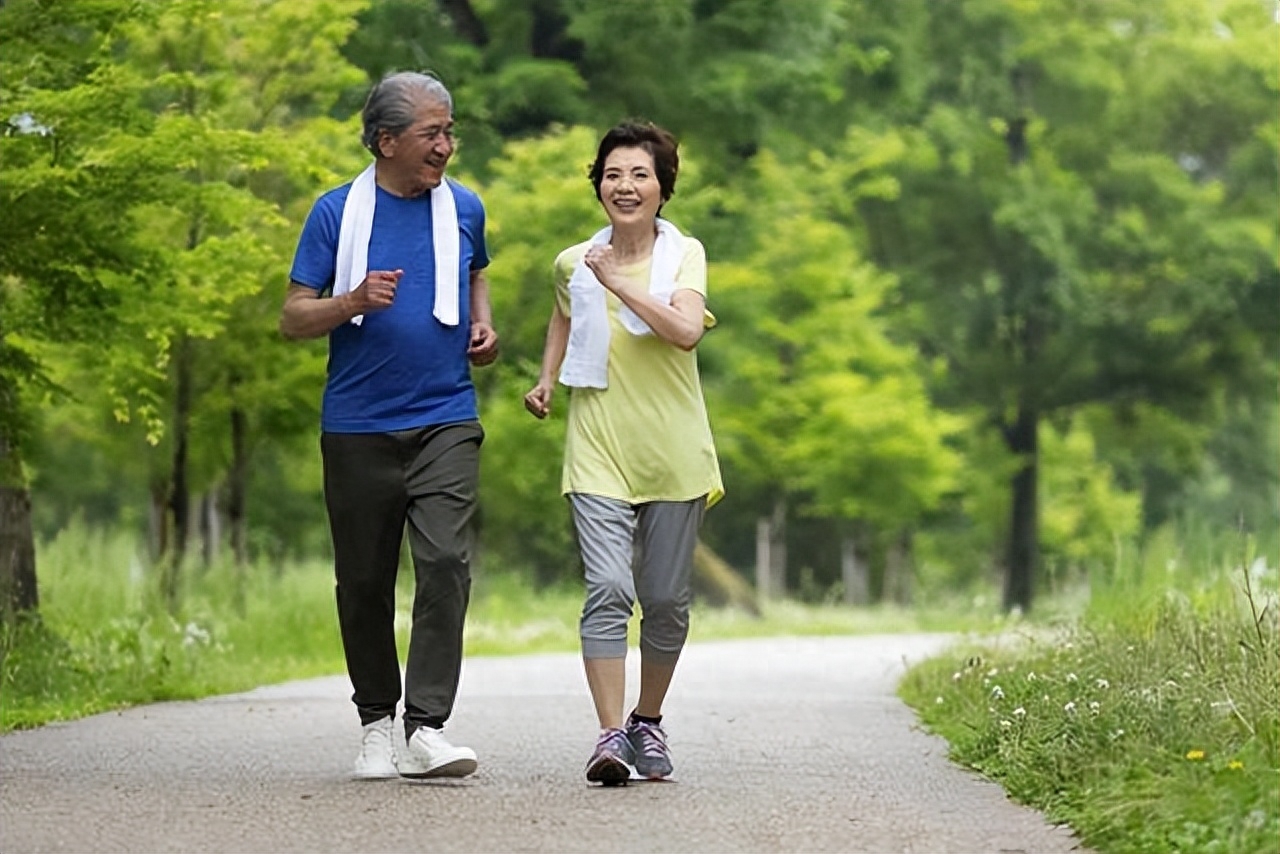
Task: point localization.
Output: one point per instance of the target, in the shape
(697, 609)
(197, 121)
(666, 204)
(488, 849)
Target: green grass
(105, 641)
(1150, 724)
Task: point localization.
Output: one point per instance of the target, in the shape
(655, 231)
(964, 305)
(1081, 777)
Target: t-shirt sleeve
(316, 256)
(565, 263)
(692, 273)
(474, 221)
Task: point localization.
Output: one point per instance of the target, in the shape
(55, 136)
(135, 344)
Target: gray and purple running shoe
(649, 746)
(611, 761)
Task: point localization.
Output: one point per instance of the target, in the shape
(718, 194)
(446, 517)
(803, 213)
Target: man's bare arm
(305, 315)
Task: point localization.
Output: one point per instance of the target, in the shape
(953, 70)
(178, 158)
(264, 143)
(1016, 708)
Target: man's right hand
(376, 292)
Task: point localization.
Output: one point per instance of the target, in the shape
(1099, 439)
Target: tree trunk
(1022, 435)
(717, 582)
(898, 570)
(210, 528)
(238, 486)
(853, 571)
(157, 520)
(778, 547)
(18, 591)
(1024, 539)
(179, 495)
(764, 584)
(465, 21)
(549, 34)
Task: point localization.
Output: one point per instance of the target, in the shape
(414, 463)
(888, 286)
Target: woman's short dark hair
(660, 144)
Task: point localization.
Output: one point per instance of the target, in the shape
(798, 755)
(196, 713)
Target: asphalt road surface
(780, 745)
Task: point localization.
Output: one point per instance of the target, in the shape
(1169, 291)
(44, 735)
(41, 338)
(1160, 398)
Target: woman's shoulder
(693, 247)
(690, 246)
(569, 258)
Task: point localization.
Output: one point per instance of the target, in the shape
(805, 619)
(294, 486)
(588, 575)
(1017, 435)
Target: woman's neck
(633, 243)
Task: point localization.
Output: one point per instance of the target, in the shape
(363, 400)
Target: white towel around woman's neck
(586, 361)
(357, 226)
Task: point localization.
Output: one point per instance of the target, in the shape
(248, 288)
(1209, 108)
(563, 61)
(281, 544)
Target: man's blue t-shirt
(400, 368)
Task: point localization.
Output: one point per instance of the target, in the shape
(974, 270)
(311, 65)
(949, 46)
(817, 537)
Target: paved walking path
(781, 745)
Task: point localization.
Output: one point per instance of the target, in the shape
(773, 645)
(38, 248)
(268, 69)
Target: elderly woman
(640, 466)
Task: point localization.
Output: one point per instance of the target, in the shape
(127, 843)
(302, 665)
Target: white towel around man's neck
(357, 226)
(586, 361)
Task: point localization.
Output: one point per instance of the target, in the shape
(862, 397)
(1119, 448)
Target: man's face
(419, 155)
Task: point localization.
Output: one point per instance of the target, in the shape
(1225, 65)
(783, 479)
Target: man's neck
(396, 186)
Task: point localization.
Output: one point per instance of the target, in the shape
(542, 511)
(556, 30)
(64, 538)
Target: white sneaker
(429, 754)
(377, 759)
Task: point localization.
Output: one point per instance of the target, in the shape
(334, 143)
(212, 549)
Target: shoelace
(653, 740)
(615, 741)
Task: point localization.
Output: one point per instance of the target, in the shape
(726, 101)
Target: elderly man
(390, 267)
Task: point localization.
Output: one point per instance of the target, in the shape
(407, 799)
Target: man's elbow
(290, 329)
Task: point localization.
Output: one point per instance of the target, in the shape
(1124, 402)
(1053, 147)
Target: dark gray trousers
(375, 483)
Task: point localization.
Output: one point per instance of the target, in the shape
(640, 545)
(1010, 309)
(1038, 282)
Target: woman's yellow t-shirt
(646, 437)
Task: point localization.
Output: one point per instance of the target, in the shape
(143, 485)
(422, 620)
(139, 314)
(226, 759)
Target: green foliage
(64, 248)
(1152, 724)
(810, 393)
(919, 218)
(105, 640)
(226, 134)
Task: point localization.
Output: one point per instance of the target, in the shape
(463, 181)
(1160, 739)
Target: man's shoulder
(463, 196)
(331, 202)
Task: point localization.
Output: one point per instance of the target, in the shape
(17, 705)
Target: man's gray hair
(392, 103)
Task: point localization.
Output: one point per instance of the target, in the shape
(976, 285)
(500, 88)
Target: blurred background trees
(997, 281)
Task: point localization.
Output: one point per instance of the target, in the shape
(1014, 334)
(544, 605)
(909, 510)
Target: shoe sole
(609, 772)
(375, 775)
(456, 768)
(654, 775)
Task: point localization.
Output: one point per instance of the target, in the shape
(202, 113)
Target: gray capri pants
(630, 552)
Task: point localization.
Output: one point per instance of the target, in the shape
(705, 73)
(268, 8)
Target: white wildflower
(1031, 677)
(1006, 724)
(1223, 707)
(1071, 677)
(1019, 712)
(1095, 707)
(1103, 684)
(997, 693)
(193, 634)
(1070, 707)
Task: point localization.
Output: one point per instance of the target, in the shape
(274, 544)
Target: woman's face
(629, 188)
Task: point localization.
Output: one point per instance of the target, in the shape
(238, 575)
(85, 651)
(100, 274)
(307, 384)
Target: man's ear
(386, 143)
